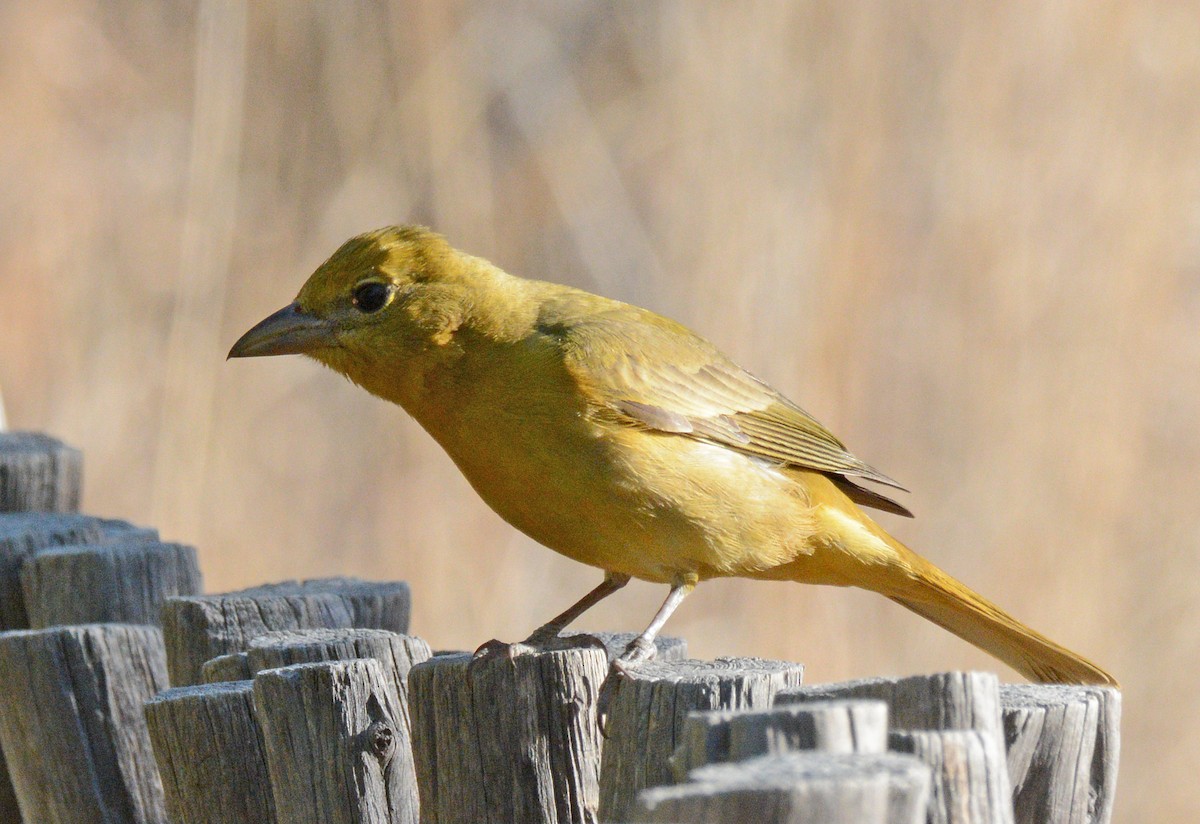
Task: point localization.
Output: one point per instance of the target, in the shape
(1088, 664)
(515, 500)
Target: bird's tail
(950, 604)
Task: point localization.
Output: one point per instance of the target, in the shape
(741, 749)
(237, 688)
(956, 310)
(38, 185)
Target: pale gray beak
(287, 332)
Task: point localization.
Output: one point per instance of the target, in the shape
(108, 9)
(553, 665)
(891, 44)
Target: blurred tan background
(965, 236)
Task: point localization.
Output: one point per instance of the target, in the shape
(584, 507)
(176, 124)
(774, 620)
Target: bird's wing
(655, 373)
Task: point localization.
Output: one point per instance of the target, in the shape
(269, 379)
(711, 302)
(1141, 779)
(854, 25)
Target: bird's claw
(639, 649)
(493, 649)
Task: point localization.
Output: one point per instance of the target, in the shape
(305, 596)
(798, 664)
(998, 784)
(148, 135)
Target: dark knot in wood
(381, 740)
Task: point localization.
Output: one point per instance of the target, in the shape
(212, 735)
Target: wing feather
(656, 374)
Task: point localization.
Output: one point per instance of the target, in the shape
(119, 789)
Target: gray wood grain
(666, 647)
(795, 788)
(210, 754)
(71, 722)
(24, 533)
(942, 701)
(1063, 751)
(650, 705)
(39, 473)
(198, 628)
(116, 581)
(332, 745)
(969, 775)
(232, 666)
(719, 736)
(397, 653)
(504, 739)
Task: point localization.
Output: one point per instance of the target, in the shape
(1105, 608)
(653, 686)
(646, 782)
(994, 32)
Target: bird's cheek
(435, 322)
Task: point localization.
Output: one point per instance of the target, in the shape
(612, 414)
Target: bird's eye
(371, 296)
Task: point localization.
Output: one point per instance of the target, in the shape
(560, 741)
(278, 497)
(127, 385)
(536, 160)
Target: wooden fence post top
(649, 707)
(210, 754)
(201, 627)
(336, 744)
(1064, 745)
(833, 788)
(198, 692)
(38, 473)
(124, 579)
(714, 672)
(37, 530)
(944, 700)
(15, 441)
(717, 736)
(1041, 695)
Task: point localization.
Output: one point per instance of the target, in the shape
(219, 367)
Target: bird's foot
(496, 649)
(639, 649)
(544, 635)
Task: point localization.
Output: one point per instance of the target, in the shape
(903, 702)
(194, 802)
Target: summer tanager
(619, 438)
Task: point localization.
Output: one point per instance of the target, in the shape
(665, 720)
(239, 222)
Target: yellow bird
(619, 438)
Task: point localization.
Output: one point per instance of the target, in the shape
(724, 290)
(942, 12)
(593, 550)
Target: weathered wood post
(71, 722)
(24, 533)
(198, 628)
(396, 654)
(795, 788)
(39, 473)
(210, 754)
(21, 535)
(331, 740)
(1063, 748)
(828, 726)
(650, 706)
(970, 779)
(942, 701)
(949, 702)
(232, 666)
(508, 737)
(117, 581)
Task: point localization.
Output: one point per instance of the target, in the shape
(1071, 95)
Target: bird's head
(382, 298)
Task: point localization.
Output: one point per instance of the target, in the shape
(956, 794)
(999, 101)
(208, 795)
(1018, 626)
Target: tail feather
(952, 605)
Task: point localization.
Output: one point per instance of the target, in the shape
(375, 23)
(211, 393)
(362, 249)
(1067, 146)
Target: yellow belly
(659, 507)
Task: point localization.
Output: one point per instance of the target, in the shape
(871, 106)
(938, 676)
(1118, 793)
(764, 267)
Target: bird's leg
(550, 630)
(642, 647)
(639, 649)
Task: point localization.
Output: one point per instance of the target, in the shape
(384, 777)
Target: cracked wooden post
(650, 706)
(942, 701)
(71, 722)
(1063, 748)
(23, 534)
(829, 788)
(210, 754)
(38, 473)
(970, 778)
(509, 737)
(198, 628)
(331, 744)
(117, 581)
(397, 653)
(719, 736)
(232, 666)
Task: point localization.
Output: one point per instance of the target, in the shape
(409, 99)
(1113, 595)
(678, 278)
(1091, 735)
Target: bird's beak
(287, 332)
